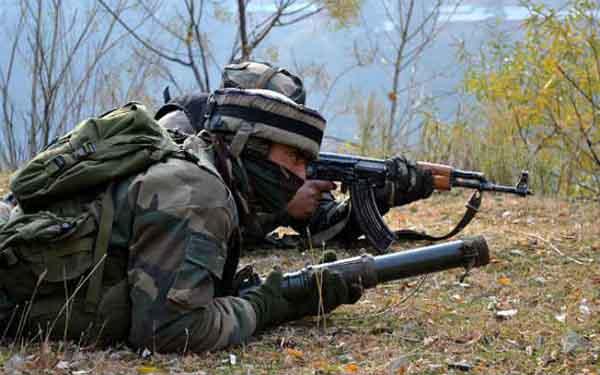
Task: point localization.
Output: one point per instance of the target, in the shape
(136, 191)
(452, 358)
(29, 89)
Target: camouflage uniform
(177, 220)
(181, 222)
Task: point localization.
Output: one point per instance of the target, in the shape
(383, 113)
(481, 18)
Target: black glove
(245, 278)
(272, 307)
(407, 183)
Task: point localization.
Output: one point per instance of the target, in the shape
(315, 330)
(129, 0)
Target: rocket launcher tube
(371, 270)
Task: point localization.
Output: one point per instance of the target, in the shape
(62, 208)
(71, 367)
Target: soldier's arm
(411, 183)
(184, 218)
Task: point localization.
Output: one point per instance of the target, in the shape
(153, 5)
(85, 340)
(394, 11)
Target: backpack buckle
(85, 150)
(56, 164)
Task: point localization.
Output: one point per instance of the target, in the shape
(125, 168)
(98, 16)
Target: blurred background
(497, 86)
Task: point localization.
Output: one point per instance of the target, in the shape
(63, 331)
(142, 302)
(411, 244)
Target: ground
(535, 309)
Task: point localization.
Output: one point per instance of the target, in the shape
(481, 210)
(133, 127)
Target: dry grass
(545, 255)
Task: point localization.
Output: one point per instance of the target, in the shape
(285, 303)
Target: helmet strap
(240, 139)
(224, 160)
(265, 77)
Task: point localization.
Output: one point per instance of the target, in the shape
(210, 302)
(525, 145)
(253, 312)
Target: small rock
(571, 342)
(114, 356)
(462, 365)
(506, 214)
(398, 365)
(146, 353)
(540, 280)
(412, 329)
(561, 317)
(14, 364)
(529, 350)
(505, 314)
(63, 365)
(516, 252)
(584, 308)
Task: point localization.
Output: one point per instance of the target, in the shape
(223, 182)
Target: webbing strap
(234, 249)
(472, 209)
(240, 139)
(92, 297)
(265, 77)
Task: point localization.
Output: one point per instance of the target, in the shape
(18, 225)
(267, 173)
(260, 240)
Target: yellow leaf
(548, 83)
(504, 281)
(295, 353)
(351, 368)
(149, 370)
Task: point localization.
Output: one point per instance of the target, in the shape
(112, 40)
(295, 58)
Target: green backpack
(61, 229)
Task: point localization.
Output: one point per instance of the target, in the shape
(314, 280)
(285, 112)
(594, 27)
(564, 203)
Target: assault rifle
(361, 176)
(370, 270)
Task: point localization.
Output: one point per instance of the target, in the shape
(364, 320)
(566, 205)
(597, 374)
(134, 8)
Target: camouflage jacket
(176, 221)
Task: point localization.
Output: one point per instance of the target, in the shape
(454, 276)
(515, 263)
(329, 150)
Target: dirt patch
(533, 310)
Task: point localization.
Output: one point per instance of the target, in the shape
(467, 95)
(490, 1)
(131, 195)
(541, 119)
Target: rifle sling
(472, 209)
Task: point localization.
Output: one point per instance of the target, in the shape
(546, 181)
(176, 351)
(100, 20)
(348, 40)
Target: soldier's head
(243, 75)
(273, 136)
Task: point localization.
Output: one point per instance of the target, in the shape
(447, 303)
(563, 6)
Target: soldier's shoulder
(179, 182)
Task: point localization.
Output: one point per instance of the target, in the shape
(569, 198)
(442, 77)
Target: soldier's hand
(329, 291)
(306, 200)
(408, 182)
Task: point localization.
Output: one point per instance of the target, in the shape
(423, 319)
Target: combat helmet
(244, 75)
(266, 115)
(262, 75)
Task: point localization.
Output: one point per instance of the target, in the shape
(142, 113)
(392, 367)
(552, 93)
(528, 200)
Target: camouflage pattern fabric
(178, 219)
(166, 256)
(261, 75)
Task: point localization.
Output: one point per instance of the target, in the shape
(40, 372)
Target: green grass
(545, 266)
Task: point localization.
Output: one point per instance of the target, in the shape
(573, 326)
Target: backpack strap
(92, 298)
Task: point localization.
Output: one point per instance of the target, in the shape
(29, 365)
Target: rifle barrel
(488, 186)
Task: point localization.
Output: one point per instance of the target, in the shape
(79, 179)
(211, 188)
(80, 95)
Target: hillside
(535, 309)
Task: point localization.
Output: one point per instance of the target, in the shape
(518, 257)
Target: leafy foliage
(344, 12)
(540, 99)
